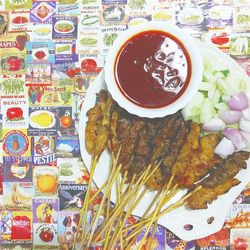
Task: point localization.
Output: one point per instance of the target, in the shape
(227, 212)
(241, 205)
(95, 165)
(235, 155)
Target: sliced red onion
(230, 116)
(215, 124)
(246, 136)
(235, 137)
(245, 125)
(246, 114)
(238, 102)
(224, 148)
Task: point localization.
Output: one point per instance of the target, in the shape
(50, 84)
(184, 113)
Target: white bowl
(196, 66)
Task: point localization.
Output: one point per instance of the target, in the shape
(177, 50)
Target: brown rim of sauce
(146, 76)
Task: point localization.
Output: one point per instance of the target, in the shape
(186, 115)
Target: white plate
(35, 125)
(64, 21)
(176, 220)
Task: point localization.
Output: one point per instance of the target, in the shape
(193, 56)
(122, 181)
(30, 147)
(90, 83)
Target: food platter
(179, 218)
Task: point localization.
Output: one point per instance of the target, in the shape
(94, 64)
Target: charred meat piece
(162, 141)
(204, 196)
(228, 169)
(114, 142)
(95, 116)
(182, 168)
(128, 135)
(220, 180)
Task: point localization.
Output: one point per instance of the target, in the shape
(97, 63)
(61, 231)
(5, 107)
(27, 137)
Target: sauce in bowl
(152, 69)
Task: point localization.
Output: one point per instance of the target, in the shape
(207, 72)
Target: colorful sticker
(68, 9)
(65, 123)
(18, 4)
(65, 52)
(71, 196)
(45, 210)
(68, 147)
(241, 19)
(72, 170)
(219, 240)
(4, 22)
(17, 169)
(21, 226)
(16, 143)
(45, 234)
(45, 179)
(13, 87)
(240, 238)
(67, 227)
(113, 14)
(64, 27)
(239, 215)
(41, 32)
(42, 121)
(18, 195)
(43, 150)
(240, 45)
(15, 113)
(40, 52)
(38, 74)
(42, 11)
(19, 21)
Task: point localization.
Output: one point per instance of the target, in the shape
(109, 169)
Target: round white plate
(177, 219)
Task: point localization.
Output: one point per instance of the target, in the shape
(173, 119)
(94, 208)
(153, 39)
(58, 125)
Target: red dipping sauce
(152, 69)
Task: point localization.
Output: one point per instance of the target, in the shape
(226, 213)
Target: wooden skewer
(83, 211)
(95, 220)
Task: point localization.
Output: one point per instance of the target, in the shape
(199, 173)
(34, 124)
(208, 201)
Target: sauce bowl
(153, 69)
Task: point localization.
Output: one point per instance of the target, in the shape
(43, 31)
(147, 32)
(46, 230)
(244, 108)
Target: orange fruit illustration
(47, 183)
(65, 121)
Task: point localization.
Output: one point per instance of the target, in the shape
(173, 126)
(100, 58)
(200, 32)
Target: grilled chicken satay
(94, 120)
(182, 164)
(114, 142)
(181, 131)
(220, 180)
(128, 130)
(104, 128)
(204, 196)
(141, 155)
(162, 141)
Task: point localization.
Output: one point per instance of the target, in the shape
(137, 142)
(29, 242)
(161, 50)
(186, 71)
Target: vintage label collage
(50, 52)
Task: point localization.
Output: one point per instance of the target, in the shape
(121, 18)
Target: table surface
(50, 52)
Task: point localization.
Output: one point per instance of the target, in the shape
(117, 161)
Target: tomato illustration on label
(14, 114)
(89, 65)
(46, 235)
(71, 72)
(40, 55)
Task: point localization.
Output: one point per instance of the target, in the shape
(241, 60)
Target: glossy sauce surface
(152, 69)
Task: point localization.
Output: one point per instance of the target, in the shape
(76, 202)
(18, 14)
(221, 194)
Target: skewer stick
(83, 211)
(130, 209)
(97, 215)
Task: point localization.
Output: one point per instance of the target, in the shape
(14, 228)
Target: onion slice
(224, 148)
(230, 116)
(215, 124)
(238, 102)
(235, 137)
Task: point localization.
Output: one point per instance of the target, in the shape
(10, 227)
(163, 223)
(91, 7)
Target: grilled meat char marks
(220, 180)
(95, 116)
(144, 148)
